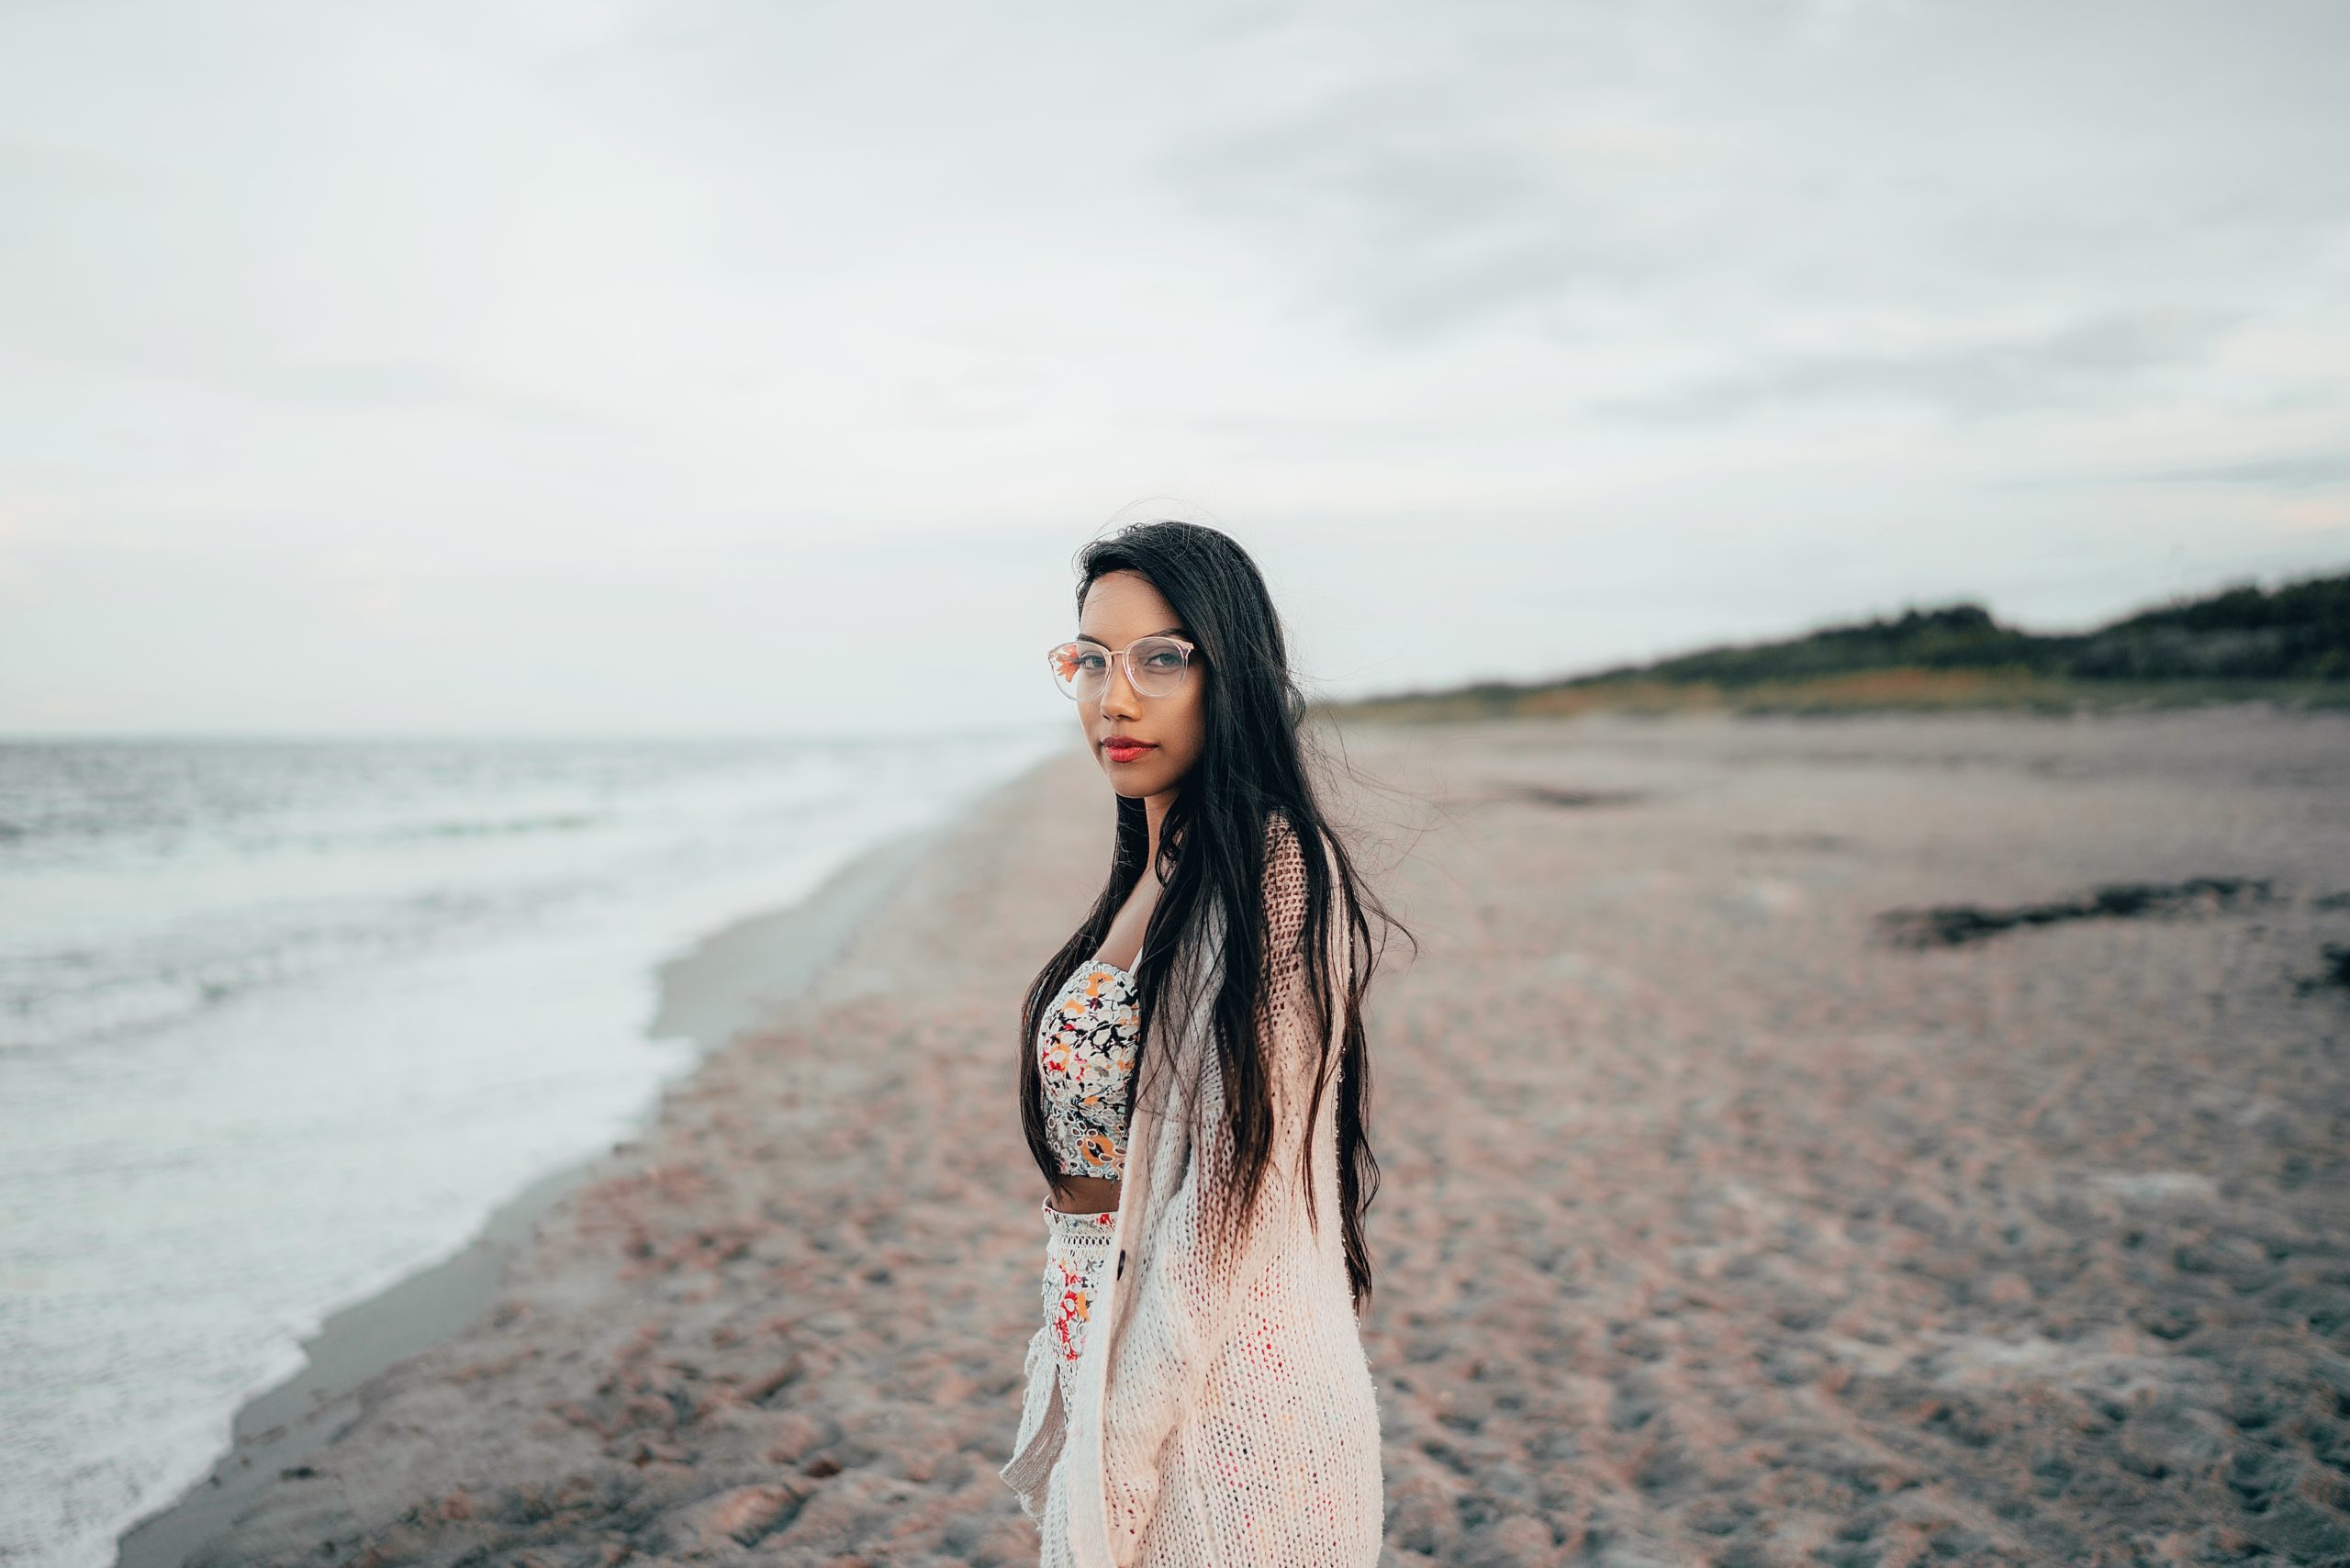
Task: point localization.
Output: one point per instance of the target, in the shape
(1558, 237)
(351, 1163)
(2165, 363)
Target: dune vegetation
(2288, 645)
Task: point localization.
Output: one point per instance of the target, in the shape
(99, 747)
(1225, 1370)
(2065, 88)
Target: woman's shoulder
(1285, 847)
(1289, 891)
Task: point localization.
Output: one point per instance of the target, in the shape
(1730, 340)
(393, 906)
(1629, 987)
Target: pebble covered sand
(1723, 1218)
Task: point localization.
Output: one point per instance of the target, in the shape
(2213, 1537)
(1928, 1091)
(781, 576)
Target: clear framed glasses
(1156, 666)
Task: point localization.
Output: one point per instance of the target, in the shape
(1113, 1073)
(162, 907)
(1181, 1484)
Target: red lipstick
(1123, 748)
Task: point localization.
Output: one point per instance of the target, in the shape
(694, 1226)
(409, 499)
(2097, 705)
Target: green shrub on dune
(2246, 642)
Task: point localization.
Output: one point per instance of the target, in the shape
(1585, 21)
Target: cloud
(1424, 202)
(2086, 362)
(2280, 474)
(403, 384)
(2301, 471)
(1755, 174)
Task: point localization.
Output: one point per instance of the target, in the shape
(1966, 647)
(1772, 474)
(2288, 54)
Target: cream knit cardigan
(1219, 1418)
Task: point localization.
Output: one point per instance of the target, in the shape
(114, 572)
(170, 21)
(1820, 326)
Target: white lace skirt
(1077, 1248)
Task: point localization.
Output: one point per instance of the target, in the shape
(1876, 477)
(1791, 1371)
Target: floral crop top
(1086, 1049)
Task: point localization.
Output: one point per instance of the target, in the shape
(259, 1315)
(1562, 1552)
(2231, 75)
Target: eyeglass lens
(1154, 665)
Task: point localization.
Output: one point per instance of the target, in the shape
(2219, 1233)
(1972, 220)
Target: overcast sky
(685, 365)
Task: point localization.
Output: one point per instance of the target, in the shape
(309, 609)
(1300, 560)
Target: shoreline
(730, 981)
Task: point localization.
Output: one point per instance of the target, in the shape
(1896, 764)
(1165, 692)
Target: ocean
(281, 1022)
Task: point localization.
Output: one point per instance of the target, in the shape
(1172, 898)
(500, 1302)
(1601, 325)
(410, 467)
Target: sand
(1723, 1219)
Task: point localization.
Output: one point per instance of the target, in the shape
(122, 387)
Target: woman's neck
(1154, 816)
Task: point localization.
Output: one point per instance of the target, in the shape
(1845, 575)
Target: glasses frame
(1123, 657)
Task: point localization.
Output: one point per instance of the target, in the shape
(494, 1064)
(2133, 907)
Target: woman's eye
(1166, 658)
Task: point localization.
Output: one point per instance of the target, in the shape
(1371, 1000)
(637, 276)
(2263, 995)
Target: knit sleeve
(1191, 1293)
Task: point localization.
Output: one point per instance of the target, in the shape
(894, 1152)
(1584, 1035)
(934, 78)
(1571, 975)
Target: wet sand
(1733, 1211)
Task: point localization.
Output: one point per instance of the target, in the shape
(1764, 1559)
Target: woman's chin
(1136, 777)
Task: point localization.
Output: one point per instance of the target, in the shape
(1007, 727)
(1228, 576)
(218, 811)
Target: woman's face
(1119, 608)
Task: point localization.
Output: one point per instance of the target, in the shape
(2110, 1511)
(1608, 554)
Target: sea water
(283, 1022)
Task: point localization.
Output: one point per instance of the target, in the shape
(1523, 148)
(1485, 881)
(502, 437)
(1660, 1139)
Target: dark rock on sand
(1547, 795)
(1953, 925)
(2335, 970)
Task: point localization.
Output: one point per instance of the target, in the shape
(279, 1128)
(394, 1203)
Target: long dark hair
(1252, 768)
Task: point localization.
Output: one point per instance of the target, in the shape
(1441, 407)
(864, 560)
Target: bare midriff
(1086, 1194)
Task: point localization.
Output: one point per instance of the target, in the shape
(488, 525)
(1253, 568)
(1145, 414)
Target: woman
(1193, 1082)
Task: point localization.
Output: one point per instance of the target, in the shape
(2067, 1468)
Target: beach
(1867, 1140)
